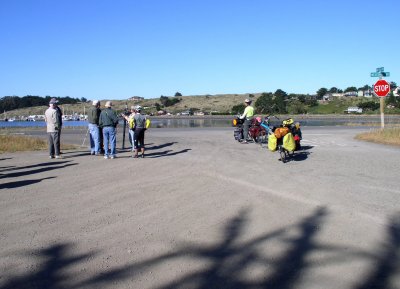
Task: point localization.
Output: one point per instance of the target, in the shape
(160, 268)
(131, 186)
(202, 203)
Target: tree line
(8, 103)
(281, 102)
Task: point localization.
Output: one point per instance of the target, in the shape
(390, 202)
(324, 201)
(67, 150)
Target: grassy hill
(217, 103)
(220, 103)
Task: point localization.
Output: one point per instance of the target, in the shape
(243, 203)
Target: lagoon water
(194, 122)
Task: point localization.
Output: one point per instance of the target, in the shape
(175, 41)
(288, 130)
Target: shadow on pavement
(228, 260)
(166, 153)
(17, 184)
(44, 167)
(160, 146)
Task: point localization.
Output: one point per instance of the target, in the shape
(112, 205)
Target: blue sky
(115, 49)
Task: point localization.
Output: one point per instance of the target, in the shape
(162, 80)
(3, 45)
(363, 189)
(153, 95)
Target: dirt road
(203, 211)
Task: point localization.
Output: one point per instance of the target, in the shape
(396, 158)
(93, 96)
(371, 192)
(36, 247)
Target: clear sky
(115, 49)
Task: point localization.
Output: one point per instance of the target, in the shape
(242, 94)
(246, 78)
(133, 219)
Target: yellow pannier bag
(272, 142)
(148, 122)
(131, 123)
(288, 142)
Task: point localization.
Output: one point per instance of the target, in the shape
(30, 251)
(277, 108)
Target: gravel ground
(203, 211)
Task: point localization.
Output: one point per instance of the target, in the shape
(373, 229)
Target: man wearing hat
(93, 120)
(108, 121)
(140, 127)
(248, 117)
(53, 127)
(59, 116)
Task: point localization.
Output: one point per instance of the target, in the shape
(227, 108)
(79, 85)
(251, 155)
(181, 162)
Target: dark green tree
(369, 105)
(350, 89)
(333, 90)
(393, 85)
(265, 103)
(296, 107)
(280, 101)
(236, 109)
(391, 99)
(178, 94)
(321, 92)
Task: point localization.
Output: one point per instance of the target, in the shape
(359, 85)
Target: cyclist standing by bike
(248, 117)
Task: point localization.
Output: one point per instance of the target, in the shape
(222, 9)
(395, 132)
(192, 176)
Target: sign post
(381, 89)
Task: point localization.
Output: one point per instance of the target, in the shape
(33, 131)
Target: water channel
(198, 122)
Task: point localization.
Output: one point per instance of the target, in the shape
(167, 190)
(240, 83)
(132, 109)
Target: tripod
(84, 139)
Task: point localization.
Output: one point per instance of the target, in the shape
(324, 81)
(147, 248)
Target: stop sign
(381, 88)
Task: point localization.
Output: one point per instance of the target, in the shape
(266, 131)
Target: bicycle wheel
(282, 153)
(261, 138)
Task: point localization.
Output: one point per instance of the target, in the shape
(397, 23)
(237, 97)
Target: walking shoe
(135, 156)
(51, 157)
(58, 157)
(113, 157)
(105, 157)
(142, 156)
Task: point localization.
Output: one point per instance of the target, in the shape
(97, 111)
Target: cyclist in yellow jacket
(248, 117)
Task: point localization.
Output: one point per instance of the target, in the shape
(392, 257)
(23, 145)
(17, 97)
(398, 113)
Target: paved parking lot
(203, 211)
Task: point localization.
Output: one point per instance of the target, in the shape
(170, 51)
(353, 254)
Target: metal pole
(123, 132)
(382, 112)
(382, 106)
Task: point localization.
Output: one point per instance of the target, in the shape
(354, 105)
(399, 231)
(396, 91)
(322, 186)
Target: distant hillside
(221, 103)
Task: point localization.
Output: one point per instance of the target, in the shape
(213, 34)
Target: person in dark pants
(248, 117)
(140, 127)
(59, 117)
(53, 126)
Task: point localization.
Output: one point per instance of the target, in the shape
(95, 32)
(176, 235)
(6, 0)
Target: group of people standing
(103, 123)
(102, 127)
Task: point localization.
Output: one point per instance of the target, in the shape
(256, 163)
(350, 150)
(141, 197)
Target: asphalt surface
(203, 211)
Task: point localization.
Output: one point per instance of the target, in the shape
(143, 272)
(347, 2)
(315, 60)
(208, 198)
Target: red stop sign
(381, 88)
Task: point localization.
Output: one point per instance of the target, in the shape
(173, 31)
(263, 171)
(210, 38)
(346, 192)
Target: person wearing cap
(108, 121)
(131, 123)
(140, 127)
(93, 124)
(53, 126)
(247, 116)
(59, 116)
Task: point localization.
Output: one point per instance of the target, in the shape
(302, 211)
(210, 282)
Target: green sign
(380, 69)
(380, 74)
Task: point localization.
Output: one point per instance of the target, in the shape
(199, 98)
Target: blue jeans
(131, 137)
(109, 136)
(94, 138)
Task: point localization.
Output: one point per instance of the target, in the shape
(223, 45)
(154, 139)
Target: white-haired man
(93, 123)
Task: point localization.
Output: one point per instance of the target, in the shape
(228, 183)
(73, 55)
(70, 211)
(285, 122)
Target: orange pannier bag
(281, 132)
